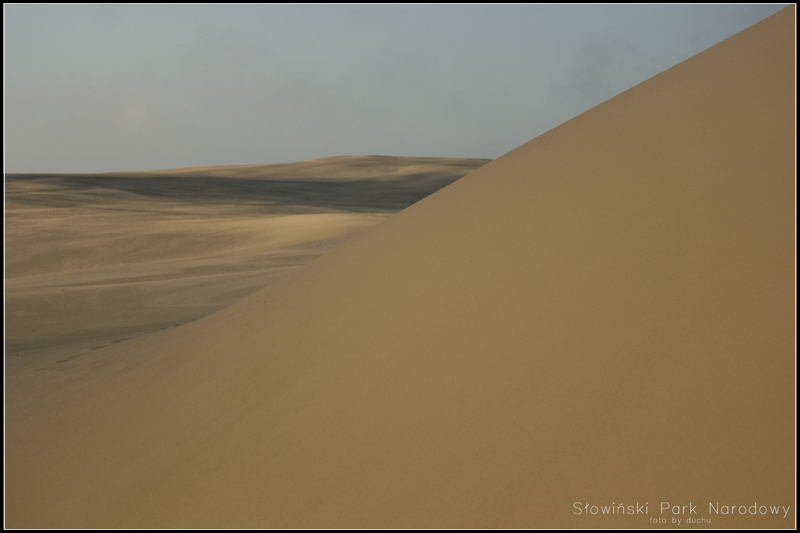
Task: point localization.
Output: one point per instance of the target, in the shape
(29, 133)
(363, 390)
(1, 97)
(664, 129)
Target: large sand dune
(602, 316)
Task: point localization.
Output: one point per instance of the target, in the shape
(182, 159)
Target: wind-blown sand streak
(602, 316)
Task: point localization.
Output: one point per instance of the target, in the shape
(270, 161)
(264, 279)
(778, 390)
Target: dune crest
(603, 317)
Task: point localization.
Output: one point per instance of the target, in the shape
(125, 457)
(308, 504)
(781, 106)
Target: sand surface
(96, 259)
(603, 316)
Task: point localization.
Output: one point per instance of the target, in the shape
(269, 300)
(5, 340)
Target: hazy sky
(93, 88)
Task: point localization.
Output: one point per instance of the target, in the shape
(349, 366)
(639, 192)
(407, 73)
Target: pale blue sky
(94, 88)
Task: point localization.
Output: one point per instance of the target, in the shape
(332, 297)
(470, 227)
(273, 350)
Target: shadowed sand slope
(602, 316)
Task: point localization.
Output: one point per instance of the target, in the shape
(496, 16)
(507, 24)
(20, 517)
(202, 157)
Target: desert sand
(100, 258)
(603, 316)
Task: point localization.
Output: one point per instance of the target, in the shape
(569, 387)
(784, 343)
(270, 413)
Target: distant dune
(596, 324)
(98, 258)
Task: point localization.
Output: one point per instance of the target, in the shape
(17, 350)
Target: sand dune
(603, 316)
(95, 259)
